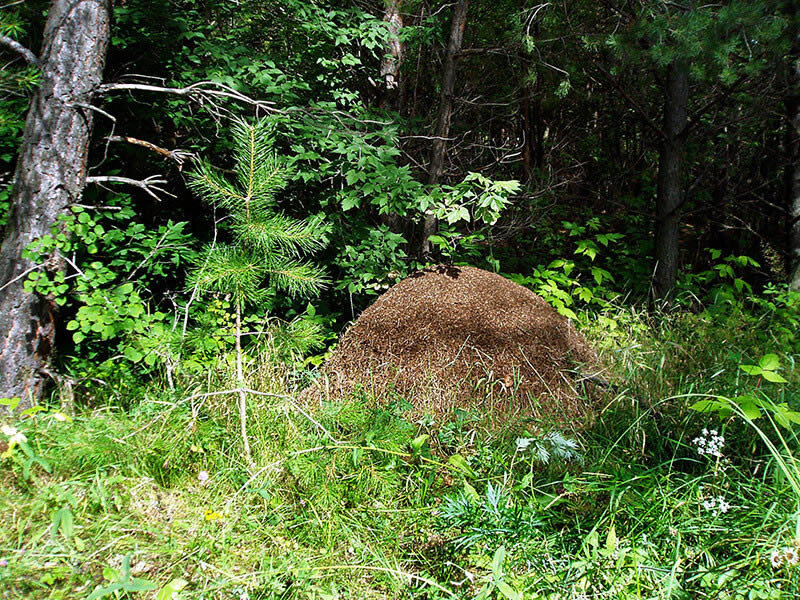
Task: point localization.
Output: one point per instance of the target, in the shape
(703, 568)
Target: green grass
(347, 501)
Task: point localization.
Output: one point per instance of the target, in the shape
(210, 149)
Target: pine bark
(51, 173)
(442, 132)
(670, 180)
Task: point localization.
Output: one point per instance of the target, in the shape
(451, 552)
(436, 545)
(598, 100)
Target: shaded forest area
(199, 196)
(665, 129)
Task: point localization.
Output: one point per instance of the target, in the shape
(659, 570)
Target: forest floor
(354, 500)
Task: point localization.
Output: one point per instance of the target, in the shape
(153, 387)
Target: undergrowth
(357, 500)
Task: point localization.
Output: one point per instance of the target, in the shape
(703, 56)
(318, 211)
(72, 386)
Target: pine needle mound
(449, 337)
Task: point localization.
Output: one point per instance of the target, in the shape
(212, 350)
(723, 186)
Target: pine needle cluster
(265, 253)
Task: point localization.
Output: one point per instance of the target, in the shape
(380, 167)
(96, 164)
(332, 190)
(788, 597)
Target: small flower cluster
(710, 443)
(212, 515)
(786, 556)
(717, 505)
(15, 437)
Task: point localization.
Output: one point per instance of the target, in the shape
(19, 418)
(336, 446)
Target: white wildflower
(776, 558)
(790, 556)
(710, 442)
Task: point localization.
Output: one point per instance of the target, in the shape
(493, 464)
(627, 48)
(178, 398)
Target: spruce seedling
(264, 254)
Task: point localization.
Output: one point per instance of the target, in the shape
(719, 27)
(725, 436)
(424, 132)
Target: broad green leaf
(769, 362)
(66, 523)
(470, 492)
(507, 591)
(132, 354)
(29, 412)
(611, 539)
(169, 591)
(751, 369)
(707, 405)
(461, 464)
(497, 562)
(418, 442)
(773, 377)
(749, 408)
(102, 592)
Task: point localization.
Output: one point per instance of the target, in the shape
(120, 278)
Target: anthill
(449, 337)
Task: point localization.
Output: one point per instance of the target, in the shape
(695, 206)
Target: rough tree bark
(390, 64)
(793, 150)
(51, 172)
(442, 131)
(670, 179)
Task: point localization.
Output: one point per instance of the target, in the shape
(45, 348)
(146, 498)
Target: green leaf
(470, 492)
(773, 377)
(707, 406)
(507, 591)
(63, 522)
(497, 562)
(139, 585)
(169, 591)
(418, 442)
(751, 369)
(102, 592)
(611, 539)
(461, 464)
(769, 362)
(350, 201)
(132, 354)
(11, 403)
(749, 407)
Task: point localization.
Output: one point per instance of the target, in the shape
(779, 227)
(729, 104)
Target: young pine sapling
(264, 254)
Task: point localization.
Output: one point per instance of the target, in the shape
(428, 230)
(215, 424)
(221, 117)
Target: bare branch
(14, 45)
(202, 91)
(179, 156)
(149, 185)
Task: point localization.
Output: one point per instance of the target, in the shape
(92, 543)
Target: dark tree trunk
(442, 131)
(51, 172)
(670, 180)
(793, 168)
(390, 64)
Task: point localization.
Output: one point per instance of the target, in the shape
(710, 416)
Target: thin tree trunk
(51, 172)
(390, 64)
(442, 131)
(793, 168)
(670, 180)
(241, 386)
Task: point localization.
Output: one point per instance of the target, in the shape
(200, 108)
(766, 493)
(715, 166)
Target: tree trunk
(51, 172)
(390, 64)
(442, 131)
(670, 180)
(241, 385)
(793, 168)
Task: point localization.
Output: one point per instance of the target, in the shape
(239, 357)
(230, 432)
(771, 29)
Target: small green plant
(757, 407)
(497, 585)
(121, 582)
(489, 519)
(263, 258)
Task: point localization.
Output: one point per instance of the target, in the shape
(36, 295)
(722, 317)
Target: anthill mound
(450, 337)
